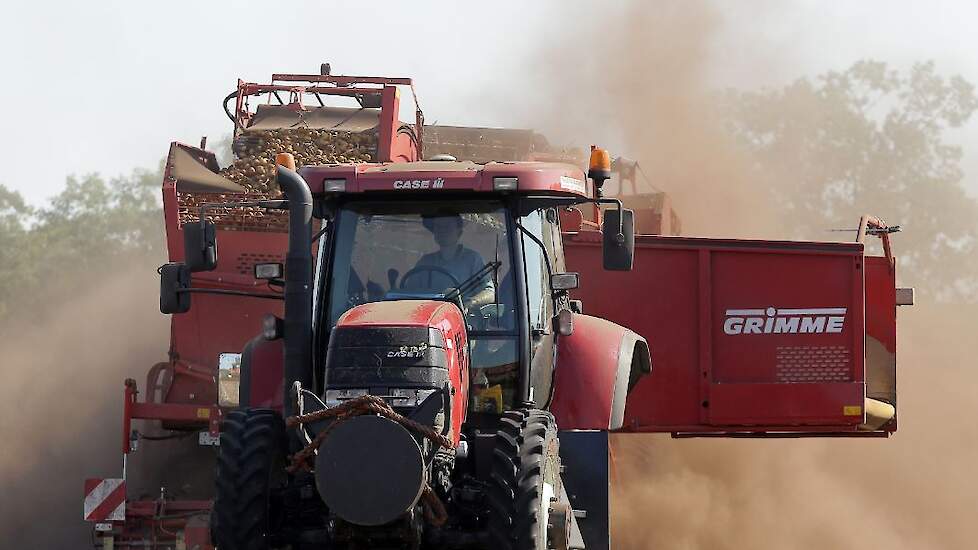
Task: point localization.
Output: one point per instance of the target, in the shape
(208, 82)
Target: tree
(15, 259)
(85, 231)
(871, 140)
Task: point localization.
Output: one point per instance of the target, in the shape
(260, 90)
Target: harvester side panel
(745, 336)
(218, 323)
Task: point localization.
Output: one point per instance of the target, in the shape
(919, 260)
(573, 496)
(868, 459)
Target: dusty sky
(105, 86)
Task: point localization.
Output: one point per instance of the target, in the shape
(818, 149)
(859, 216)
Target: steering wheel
(429, 269)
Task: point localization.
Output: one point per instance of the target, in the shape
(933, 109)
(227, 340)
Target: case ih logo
(784, 321)
(436, 183)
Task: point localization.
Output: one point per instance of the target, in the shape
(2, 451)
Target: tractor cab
(484, 237)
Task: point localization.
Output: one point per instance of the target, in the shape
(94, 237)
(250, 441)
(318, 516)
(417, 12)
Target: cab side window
(557, 261)
(537, 278)
(542, 224)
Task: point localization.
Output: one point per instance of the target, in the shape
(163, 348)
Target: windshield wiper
(469, 283)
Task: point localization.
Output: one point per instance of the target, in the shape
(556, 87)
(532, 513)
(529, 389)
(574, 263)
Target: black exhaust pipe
(298, 286)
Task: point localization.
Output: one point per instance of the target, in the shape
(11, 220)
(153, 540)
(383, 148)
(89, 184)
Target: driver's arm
(481, 298)
(485, 292)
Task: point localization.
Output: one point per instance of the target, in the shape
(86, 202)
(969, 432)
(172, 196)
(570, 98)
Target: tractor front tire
(525, 476)
(250, 470)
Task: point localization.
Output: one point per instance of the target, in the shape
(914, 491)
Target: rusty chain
(434, 508)
(365, 404)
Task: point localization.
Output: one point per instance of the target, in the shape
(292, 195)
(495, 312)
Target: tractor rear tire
(525, 476)
(250, 469)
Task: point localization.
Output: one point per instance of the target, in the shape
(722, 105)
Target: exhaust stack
(298, 285)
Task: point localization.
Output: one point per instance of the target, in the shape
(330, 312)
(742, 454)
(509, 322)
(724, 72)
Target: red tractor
(412, 406)
(432, 380)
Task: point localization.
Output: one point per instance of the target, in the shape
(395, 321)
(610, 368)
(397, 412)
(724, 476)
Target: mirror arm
(616, 202)
(229, 293)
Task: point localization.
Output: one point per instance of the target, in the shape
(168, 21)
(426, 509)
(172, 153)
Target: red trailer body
(751, 337)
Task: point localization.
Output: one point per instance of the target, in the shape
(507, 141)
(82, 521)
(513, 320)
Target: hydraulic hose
(298, 286)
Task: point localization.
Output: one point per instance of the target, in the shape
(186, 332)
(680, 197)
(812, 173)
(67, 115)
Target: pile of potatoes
(254, 169)
(255, 152)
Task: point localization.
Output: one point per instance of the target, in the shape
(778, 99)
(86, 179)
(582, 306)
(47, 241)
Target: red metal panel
(420, 313)
(442, 316)
(403, 148)
(267, 374)
(703, 339)
(533, 177)
(881, 301)
(175, 412)
(658, 299)
(745, 335)
(584, 380)
(764, 404)
(389, 103)
(772, 283)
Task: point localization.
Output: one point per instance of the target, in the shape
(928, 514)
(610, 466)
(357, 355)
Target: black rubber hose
(298, 286)
(228, 111)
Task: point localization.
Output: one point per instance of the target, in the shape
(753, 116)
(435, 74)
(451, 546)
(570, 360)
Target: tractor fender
(596, 367)
(262, 369)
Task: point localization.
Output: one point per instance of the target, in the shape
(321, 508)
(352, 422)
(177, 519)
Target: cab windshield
(456, 251)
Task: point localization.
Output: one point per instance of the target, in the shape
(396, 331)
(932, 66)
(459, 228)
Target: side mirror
(200, 246)
(174, 278)
(564, 281)
(619, 247)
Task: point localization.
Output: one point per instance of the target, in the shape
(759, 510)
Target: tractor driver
(455, 258)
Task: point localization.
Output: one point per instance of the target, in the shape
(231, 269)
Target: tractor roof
(439, 176)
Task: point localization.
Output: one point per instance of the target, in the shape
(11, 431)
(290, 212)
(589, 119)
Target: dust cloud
(61, 400)
(640, 80)
(639, 84)
(915, 490)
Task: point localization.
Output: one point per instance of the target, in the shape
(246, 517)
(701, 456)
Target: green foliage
(15, 256)
(88, 229)
(871, 140)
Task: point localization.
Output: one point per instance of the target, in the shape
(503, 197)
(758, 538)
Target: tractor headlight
(408, 397)
(334, 185)
(504, 184)
(336, 397)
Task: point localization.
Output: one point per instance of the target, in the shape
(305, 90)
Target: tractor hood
(404, 351)
(395, 343)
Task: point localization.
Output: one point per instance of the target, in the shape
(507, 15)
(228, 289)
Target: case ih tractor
(432, 380)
